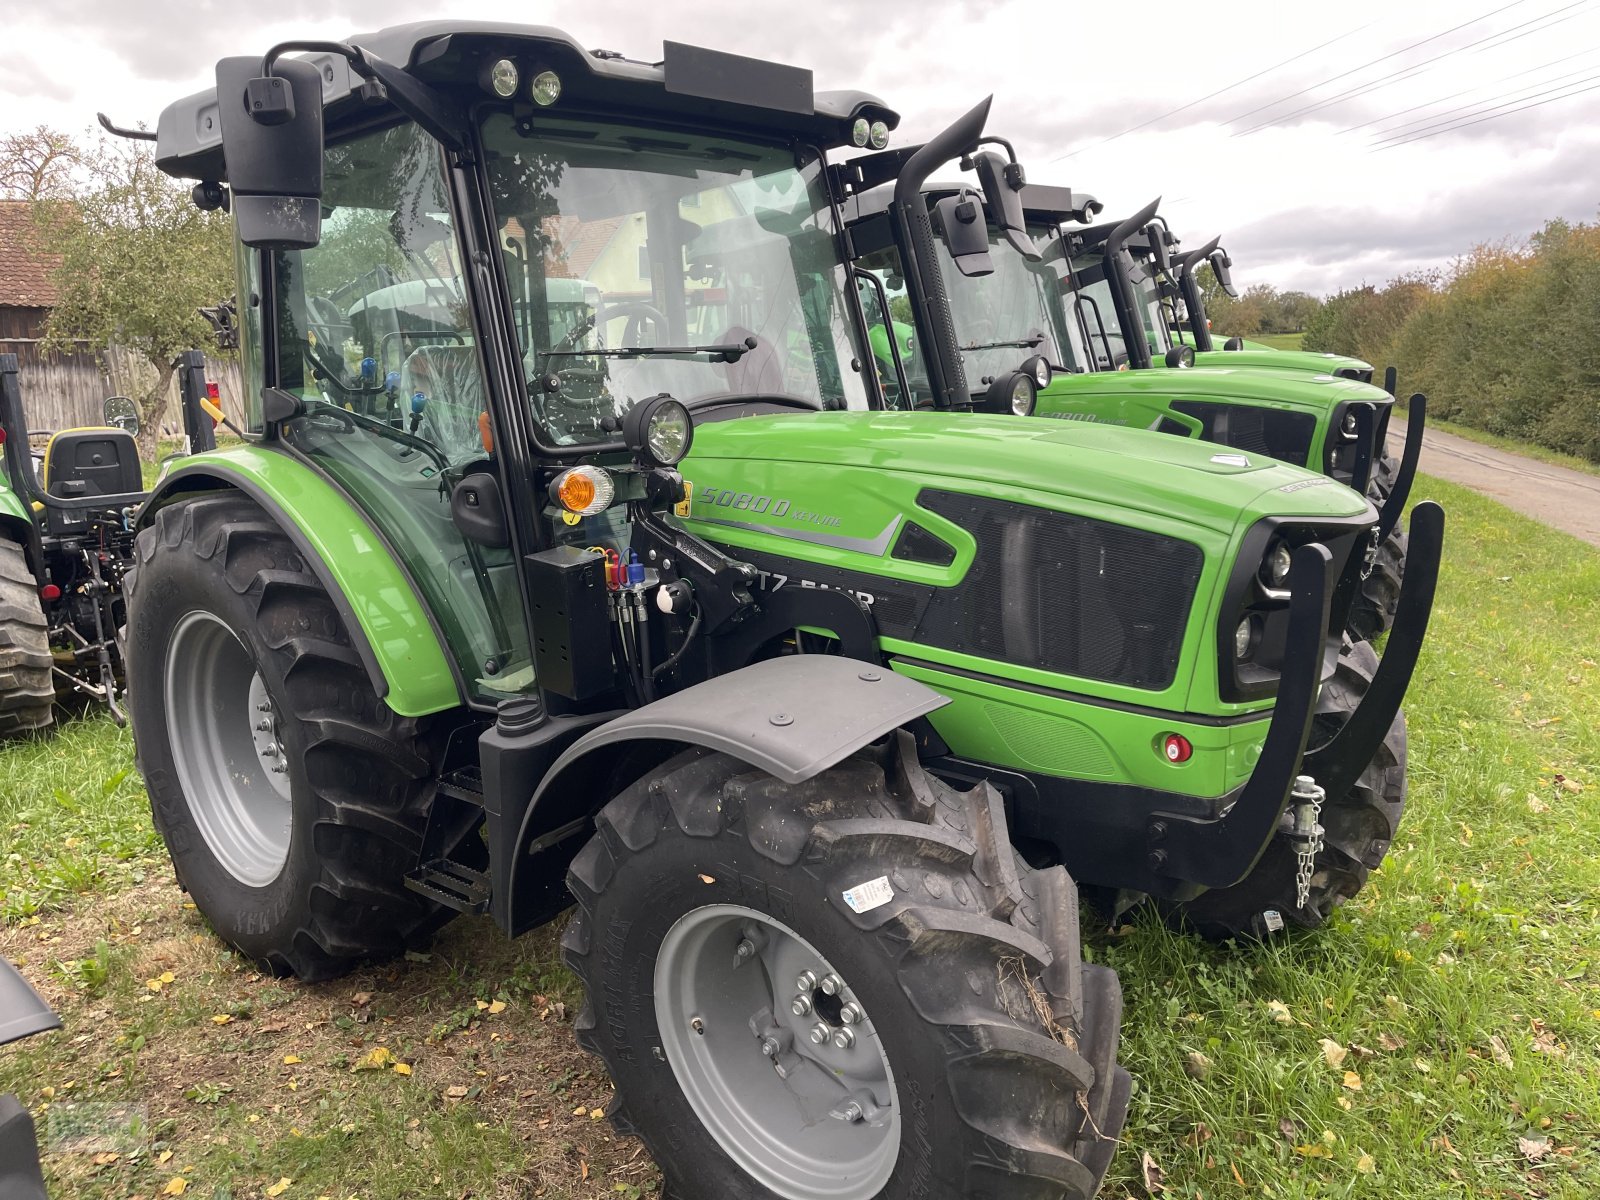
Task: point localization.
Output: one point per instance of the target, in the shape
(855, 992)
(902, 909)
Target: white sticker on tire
(865, 897)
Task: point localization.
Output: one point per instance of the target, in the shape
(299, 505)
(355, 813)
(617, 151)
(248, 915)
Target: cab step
(452, 885)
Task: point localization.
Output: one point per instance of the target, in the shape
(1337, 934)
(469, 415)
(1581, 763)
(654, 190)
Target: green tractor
(810, 705)
(1069, 319)
(66, 540)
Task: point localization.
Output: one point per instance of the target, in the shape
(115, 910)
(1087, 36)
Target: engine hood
(1087, 467)
(1306, 361)
(1317, 393)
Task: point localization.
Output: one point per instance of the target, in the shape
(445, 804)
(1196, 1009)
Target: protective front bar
(1339, 764)
(1219, 851)
(1416, 421)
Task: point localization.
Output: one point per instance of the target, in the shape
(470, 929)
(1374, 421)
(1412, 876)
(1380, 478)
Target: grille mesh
(1064, 593)
(1282, 435)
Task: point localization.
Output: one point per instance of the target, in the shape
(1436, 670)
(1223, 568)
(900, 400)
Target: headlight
(1014, 392)
(502, 79)
(1348, 425)
(583, 490)
(1275, 567)
(659, 431)
(1039, 367)
(860, 131)
(1022, 393)
(1243, 637)
(546, 88)
(880, 135)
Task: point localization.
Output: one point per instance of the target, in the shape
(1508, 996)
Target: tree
(37, 165)
(138, 259)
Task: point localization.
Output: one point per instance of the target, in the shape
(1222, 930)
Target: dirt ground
(1563, 499)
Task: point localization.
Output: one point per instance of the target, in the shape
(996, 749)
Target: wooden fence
(67, 390)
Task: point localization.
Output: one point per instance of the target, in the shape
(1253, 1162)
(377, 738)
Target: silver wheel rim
(226, 749)
(740, 1001)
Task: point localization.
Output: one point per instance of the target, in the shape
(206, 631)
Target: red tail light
(213, 391)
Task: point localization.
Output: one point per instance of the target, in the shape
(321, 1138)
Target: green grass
(1463, 987)
(1279, 341)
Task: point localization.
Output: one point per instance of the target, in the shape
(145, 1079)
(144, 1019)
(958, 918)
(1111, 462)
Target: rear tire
(27, 693)
(999, 1043)
(1358, 828)
(307, 883)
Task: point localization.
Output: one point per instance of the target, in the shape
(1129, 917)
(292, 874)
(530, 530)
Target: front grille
(1063, 593)
(1285, 436)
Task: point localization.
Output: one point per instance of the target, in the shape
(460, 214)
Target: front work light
(1039, 367)
(584, 490)
(546, 88)
(880, 135)
(503, 79)
(860, 131)
(1275, 567)
(659, 431)
(1013, 393)
(1243, 637)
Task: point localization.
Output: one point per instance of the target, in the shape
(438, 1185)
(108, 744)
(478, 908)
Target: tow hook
(1373, 545)
(1305, 833)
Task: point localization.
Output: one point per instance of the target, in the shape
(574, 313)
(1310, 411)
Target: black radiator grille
(1063, 593)
(1282, 435)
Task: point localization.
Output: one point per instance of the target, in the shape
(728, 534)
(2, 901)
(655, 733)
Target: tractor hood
(1306, 361)
(1318, 394)
(1086, 466)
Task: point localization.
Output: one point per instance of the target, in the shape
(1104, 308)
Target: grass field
(1279, 341)
(1440, 1039)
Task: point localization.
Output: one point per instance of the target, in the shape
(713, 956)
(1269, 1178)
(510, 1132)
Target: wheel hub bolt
(851, 1013)
(746, 948)
(801, 1006)
(844, 1038)
(270, 750)
(819, 1033)
(831, 985)
(280, 768)
(264, 706)
(264, 725)
(770, 1047)
(805, 981)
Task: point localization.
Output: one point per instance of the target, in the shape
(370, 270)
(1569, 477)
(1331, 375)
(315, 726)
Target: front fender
(381, 608)
(792, 717)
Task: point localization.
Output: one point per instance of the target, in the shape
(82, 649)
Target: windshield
(649, 262)
(1006, 317)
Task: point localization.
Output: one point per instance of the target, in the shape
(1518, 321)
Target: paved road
(1563, 499)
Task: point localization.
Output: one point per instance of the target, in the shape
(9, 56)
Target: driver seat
(91, 462)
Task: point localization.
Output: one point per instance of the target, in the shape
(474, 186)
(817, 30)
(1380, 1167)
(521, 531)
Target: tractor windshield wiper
(1027, 343)
(730, 353)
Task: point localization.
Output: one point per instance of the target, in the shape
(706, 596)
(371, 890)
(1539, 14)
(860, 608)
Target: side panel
(13, 516)
(396, 640)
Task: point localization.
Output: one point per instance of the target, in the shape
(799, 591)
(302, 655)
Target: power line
(1472, 108)
(1407, 73)
(1374, 62)
(1417, 135)
(1477, 87)
(1495, 117)
(1213, 95)
(1520, 36)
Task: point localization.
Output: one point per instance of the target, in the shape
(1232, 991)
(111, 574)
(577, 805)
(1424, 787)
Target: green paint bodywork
(391, 615)
(1139, 399)
(12, 511)
(1259, 356)
(851, 479)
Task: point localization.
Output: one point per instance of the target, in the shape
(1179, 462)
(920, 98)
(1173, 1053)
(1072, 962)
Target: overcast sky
(1286, 165)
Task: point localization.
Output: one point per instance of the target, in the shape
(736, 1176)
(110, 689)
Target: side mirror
(119, 412)
(1220, 264)
(1002, 184)
(1158, 248)
(966, 234)
(272, 146)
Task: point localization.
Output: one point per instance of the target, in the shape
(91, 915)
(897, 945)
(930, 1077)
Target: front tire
(27, 695)
(291, 798)
(981, 1060)
(1358, 828)
(1373, 608)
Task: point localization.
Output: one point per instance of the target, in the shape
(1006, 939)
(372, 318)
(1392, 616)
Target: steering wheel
(637, 312)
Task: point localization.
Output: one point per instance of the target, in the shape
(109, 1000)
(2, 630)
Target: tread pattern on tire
(27, 691)
(965, 907)
(371, 770)
(1358, 826)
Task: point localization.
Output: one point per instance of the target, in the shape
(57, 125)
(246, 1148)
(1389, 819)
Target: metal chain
(1307, 834)
(1372, 556)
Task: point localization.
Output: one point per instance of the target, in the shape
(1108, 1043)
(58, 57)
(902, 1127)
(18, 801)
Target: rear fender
(389, 625)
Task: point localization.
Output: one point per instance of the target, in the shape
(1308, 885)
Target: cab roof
(690, 83)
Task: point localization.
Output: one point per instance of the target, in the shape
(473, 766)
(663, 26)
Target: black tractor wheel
(845, 988)
(1359, 827)
(1372, 610)
(27, 693)
(291, 798)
